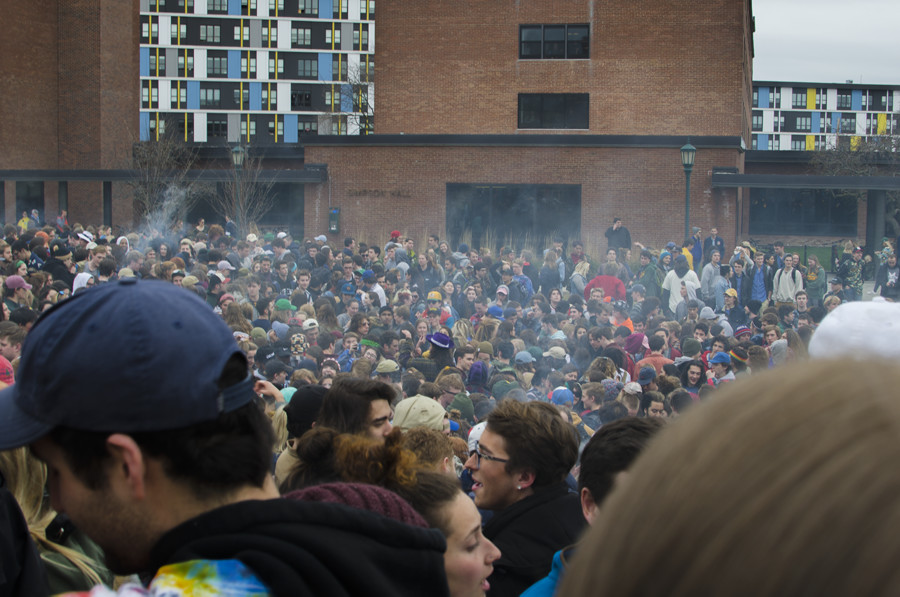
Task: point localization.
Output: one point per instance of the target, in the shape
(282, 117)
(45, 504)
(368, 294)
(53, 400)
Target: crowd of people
(275, 416)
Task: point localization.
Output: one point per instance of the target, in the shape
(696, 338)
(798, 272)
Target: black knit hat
(366, 497)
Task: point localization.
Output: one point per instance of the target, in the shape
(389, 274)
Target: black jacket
(528, 533)
(313, 548)
(21, 570)
(59, 271)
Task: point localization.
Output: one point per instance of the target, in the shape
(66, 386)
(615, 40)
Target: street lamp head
(688, 152)
(237, 156)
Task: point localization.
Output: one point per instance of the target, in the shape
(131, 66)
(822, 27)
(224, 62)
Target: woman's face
(580, 332)
(23, 270)
(494, 488)
(423, 261)
(470, 294)
(444, 247)
(327, 381)
(448, 288)
(351, 344)
(770, 260)
(470, 555)
(667, 259)
(163, 251)
(555, 296)
(328, 371)
(694, 374)
(6, 310)
(422, 327)
(151, 255)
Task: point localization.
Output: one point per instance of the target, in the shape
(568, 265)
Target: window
(775, 97)
(244, 127)
(216, 66)
(186, 67)
(774, 142)
(757, 121)
(308, 7)
(301, 99)
(217, 5)
(554, 41)
(847, 125)
(553, 110)
(371, 8)
(301, 36)
(216, 127)
(336, 35)
(802, 211)
(241, 100)
(280, 128)
(248, 6)
(310, 127)
(162, 125)
(366, 125)
(331, 102)
(210, 33)
(273, 27)
(179, 97)
(210, 98)
(179, 31)
(804, 123)
(185, 126)
(252, 66)
(190, 4)
(276, 5)
(161, 64)
(149, 96)
(339, 67)
(273, 65)
(844, 99)
(269, 103)
(821, 98)
(754, 142)
(798, 142)
(339, 9)
(779, 121)
(821, 144)
(756, 98)
(798, 98)
(150, 32)
(240, 32)
(308, 68)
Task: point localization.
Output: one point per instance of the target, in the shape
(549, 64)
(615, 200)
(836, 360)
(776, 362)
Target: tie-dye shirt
(196, 578)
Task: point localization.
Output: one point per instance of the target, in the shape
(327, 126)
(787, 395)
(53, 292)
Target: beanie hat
(611, 389)
(691, 346)
(365, 497)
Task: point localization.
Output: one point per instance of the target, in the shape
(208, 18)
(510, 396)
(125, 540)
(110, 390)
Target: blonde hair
(746, 517)
(26, 477)
(279, 425)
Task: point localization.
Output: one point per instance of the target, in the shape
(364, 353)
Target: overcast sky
(827, 41)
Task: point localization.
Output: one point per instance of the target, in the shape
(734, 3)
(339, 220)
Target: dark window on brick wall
(553, 110)
(554, 42)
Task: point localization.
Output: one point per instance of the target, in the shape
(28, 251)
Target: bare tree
(868, 156)
(245, 196)
(163, 192)
(354, 105)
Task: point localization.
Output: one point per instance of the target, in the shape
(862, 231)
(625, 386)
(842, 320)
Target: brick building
(531, 117)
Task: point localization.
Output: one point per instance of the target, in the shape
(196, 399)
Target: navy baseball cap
(164, 352)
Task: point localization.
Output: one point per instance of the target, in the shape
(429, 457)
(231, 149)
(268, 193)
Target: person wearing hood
(671, 286)
(60, 264)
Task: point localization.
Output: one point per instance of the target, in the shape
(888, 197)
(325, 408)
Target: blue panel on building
(290, 128)
(763, 94)
(145, 62)
(346, 98)
(144, 124)
(256, 96)
(856, 100)
(234, 64)
(816, 122)
(325, 67)
(193, 91)
(326, 8)
(234, 7)
(762, 142)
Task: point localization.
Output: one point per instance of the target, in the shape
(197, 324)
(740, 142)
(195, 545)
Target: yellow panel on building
(810, 142)
(882, 124)
(854, 143)
(810, 102)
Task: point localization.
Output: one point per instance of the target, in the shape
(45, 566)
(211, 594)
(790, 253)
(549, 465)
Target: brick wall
(656, 67)
(645, 187)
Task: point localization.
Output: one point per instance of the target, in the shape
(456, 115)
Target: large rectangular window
(798, 97)
(802, 211)
(553, 110)
(757, 121)
(512, 214)
(554, 42)
(844, 99)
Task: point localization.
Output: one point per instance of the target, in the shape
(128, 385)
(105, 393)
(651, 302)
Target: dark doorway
(518, 215)
(30, 195)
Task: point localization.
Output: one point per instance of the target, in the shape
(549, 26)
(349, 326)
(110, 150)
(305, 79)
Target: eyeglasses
(479, 456)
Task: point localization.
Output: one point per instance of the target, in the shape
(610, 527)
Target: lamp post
(237, 158)
(688, 152)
